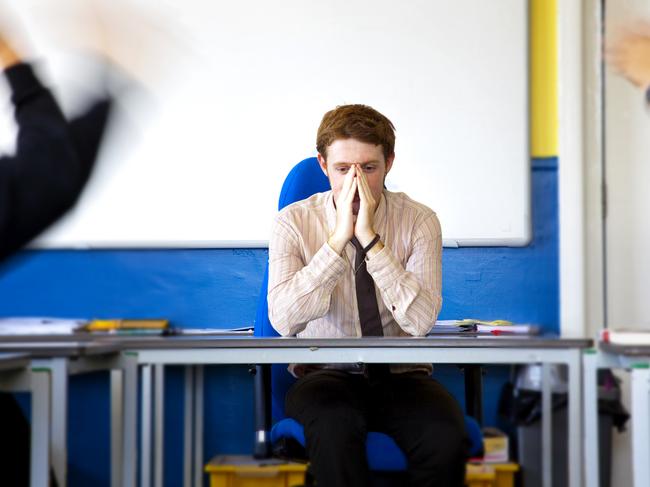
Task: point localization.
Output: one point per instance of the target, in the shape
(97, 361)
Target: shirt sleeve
(413, 294)
(298, 291)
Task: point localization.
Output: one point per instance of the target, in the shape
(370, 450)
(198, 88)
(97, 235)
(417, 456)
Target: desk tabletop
(13, 361)
(87, 344)
(627, 350)
(46, 348)
(52, 338)
(438, 341)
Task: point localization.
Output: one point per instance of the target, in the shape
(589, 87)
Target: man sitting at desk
(356, 261)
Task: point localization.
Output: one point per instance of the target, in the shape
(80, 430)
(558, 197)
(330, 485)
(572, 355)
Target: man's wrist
(337, 244)
(366, 237)
(378, 247)
(374, 247)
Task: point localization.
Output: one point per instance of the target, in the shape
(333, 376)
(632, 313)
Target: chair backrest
(305, 179)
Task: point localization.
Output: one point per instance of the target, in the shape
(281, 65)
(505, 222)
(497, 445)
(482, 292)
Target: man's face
(369, 158)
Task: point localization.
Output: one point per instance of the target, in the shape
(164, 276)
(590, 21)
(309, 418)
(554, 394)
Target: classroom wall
(627, 172)
(219, 288)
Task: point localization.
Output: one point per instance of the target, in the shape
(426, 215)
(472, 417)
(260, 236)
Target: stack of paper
(496, 327)
(244, 330)
(626, 337)
(452, 326)
(40, 326)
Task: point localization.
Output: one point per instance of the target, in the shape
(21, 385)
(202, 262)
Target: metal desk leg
(159, 418)
(130, 409)
(117, 427)
(640, 426)
(198, 427)
(145, 434)
(59, 368)
(574, 365)
(187, 425)
(590, 391)
(40, 437)
(547, 422)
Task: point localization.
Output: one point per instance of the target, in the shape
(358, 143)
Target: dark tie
(366, 296)
(368, 307)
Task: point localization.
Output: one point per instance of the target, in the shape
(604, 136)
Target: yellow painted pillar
(543, 78)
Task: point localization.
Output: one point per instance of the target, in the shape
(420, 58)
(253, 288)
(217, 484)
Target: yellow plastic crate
(491, 474)
(479, 477)
(245, 471)
(505, 474)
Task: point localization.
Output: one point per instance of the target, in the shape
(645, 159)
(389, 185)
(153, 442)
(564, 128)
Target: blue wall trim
(544, 163)
(219, 288)
(193, 288)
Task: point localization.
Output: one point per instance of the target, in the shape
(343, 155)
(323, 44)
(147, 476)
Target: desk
(195, 352)
(61, 357)
(16, 375)
(637, 360)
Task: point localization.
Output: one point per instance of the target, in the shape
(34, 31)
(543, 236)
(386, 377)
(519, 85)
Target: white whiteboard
(249, 83)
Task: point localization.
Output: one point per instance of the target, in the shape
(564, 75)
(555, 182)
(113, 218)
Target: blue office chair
(304, 180)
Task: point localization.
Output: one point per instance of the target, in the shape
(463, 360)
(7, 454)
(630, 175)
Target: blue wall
(219, 288)
(519, 284)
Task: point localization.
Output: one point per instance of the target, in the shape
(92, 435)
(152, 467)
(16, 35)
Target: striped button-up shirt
(312, 290)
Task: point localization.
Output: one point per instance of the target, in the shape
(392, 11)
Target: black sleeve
(52, 163)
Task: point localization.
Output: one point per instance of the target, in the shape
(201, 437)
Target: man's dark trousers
(337, 409)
